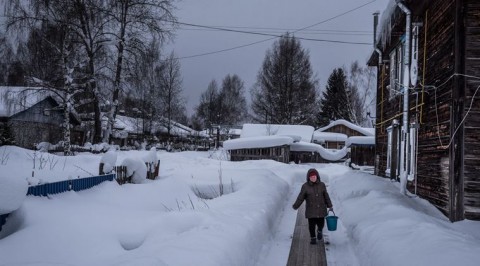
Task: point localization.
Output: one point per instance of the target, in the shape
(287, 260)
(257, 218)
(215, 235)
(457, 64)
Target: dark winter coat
(315, 196)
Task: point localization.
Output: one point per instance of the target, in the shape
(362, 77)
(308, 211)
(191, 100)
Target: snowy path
(277, 249)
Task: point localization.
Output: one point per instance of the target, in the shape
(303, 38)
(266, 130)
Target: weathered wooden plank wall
(344, 130)
(472, 121)
(434, 132)
(434, 115)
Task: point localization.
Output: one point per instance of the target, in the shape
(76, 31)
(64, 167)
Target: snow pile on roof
(257, 142)
(361, 140)
(16, 99)
(235, 131)
(385, 24)
(324, 153)
(257, 130)
(135, 126)
(13, 191)
(321, 137)
(364, 131)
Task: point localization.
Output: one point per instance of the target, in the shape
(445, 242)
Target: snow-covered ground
(181, 218)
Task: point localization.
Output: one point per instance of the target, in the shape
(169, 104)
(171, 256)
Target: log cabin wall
(472, 121)
(431, 105)
(382, 122)
(433, 163)
(279, 154)
(344, 130)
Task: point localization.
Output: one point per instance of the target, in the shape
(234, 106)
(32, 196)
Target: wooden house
(336, 134)
(362, 150)
(275, 148)
(283, 143)
(427, 54)
(34, 118)
(341, 133)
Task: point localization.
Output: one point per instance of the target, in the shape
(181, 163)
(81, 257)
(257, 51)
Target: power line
(346, 33)
(265, 40)
(286, 29)
(273, 35)
(267, 34)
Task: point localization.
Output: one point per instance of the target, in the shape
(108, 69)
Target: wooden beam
(456, 149)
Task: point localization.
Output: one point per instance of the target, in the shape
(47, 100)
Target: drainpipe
(375, 25)
(405, 85)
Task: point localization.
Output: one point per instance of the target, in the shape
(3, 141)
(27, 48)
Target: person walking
(317, 199)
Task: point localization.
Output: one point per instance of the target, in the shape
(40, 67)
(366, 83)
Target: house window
(396, 70)
(412, 167)
(389, 151)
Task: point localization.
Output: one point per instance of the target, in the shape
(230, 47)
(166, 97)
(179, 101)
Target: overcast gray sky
(270, 17)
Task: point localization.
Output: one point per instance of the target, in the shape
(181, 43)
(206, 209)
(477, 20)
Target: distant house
(427, 56)
(341, 133)
(283, 143)
(34, 116)
(336, 134)
(275, 148)
(128, 130)
(362, 150)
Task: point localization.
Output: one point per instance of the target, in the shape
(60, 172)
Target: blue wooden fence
(62, 186)
(74, 184)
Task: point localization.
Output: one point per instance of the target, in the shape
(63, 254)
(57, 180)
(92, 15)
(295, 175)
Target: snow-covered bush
(136, 168)
(43, 146)
(88, 145)
(12, 193)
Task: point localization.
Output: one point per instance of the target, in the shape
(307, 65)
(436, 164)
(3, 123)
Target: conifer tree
(335, 101)
(285, 91)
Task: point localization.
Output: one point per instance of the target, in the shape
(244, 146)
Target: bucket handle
(331, 211)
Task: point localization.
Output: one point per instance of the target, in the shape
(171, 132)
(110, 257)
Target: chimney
(375, 25)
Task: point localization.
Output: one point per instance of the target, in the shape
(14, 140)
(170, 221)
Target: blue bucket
(331, 222)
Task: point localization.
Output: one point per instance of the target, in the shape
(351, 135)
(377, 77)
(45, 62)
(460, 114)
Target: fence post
(157, 169)
(100, 170)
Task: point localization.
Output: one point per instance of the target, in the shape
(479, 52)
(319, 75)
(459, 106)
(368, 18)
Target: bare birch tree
(130, 20)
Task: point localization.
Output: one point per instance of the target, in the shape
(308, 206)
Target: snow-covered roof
(257, 142)
(257, 130)
(361, 140)
(385, 23)
(321, 137)
(16, 99)
(362, 130)
(134, 125)
(324, 153)
(235, 131)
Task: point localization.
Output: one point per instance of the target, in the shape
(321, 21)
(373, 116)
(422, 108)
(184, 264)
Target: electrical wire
(265, 40)
(436, 107)
(273, 36)
(310, 32)
(267, 34)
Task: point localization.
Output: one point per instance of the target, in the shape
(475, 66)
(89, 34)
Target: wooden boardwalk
(302, 253)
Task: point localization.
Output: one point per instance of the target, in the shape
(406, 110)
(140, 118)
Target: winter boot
(313, 241)
(319, 235)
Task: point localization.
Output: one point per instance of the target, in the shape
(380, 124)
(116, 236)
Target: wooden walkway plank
(302, 253)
